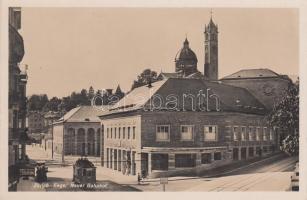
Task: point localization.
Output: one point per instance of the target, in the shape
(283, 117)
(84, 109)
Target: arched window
(81, 141)
(90, 141)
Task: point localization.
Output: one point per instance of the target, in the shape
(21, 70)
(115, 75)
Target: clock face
(268, 89)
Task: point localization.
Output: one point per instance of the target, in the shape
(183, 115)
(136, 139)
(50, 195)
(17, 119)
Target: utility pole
(52, 139)
(63, 151)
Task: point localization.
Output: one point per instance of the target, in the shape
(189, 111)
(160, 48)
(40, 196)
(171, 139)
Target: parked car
(295, 178)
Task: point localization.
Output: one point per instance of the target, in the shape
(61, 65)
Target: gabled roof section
(82, 114)
(187, 92)
(136, 98)
(252, 73)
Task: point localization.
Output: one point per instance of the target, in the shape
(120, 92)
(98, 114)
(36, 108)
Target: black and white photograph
(152, 99)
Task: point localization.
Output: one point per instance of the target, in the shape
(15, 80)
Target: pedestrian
(139, 179)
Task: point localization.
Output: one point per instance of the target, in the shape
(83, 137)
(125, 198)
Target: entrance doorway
(235, 154)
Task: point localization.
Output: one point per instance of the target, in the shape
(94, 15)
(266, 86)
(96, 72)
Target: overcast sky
(68, 49)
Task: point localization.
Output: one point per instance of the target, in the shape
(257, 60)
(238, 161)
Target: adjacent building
(78, 132)
(17, 132)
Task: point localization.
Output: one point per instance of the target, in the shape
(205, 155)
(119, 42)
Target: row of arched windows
(82, 142)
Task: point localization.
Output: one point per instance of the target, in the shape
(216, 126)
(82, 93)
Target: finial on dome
(186, 42)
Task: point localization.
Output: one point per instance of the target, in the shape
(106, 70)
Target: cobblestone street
(254, 177)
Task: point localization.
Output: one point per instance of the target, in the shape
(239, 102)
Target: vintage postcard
(153, 99)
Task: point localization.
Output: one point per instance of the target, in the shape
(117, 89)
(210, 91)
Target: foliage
(37, 102)
(285, 116)
(144, 78)
(42, 103)
(290, 144)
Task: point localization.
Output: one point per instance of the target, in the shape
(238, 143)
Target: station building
(178, 125)
(188, 122)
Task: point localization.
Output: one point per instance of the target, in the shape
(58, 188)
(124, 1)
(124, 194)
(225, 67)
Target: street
(265, 175)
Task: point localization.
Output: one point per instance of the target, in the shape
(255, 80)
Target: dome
(186, 53)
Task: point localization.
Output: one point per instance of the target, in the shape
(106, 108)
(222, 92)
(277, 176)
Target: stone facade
(147, 155)
(82, 139)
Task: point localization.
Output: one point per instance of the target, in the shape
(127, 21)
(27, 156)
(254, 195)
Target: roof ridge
(77, 109)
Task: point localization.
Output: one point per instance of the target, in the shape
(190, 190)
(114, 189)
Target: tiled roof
(136, 98)
(252, 73)
(232, 99)
(82, 114)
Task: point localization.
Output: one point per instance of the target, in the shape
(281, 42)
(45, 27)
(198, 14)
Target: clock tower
(211, 51)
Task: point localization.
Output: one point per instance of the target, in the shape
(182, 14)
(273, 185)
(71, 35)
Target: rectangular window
(206, 158)
(111, 132)
(264, 133)
(258, 133)
(107, 132)
(115, 132)
(250, 133)
(185, 160)
(119, 129)
(128, 137)
(210, 133)
(124, 132)
(162, 133)
(235, 133)
(217, 156)
(187, 132)
(133, 132)
(243, 133)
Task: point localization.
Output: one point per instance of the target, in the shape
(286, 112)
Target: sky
(68, 49)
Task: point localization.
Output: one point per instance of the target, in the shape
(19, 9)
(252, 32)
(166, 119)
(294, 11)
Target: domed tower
(186, 60)
(211, 51)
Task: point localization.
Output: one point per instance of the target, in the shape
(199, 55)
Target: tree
(285, 116)
(147, 76)
(37, 102)
(52, 104)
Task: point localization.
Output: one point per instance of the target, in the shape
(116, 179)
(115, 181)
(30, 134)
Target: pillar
(76, 143)
(171, 161)
(122, 160)
(212, 157)
(111, 158)
(138, 163)
(85, 141)
(132, 156)
(149, 163)
(239, 153)
(115, 159)
(95, 143)
(105, 158)
(119, 159)
(198, 159)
